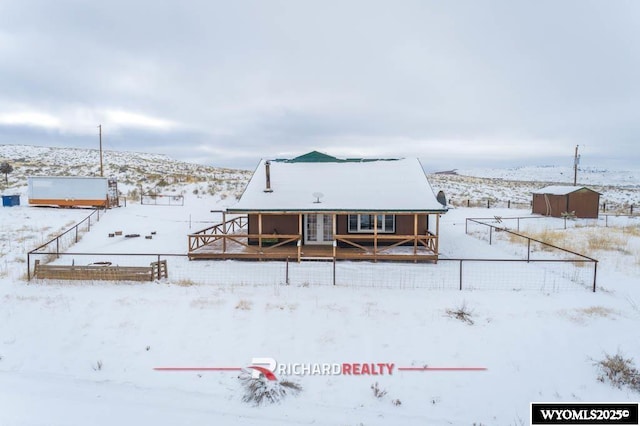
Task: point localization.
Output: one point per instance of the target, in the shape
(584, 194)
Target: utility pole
(101, 169)
(576, 161)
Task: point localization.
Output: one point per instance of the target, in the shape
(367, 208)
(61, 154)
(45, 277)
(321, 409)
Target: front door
(318, 229)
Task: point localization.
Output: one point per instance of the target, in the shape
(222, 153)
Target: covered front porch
(301, 236)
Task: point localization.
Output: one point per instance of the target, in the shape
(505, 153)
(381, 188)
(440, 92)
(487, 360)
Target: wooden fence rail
(156, 270)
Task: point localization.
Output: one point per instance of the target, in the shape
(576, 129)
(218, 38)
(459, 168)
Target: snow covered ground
(84, 353)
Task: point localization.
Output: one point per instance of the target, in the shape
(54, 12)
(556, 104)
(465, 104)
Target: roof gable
(320, 157)
(562, 190)
(313, 157)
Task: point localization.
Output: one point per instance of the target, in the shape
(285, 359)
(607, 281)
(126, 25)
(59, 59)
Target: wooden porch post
(300, 236)
(437, 235)
(335, 216)
(375, 237)
(260, 230)
(415, 235)
(224, 231)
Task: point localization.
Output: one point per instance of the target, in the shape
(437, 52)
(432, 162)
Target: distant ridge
(133, 170)
(560, 174)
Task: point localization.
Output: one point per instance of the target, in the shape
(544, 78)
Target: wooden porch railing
(427, 241)
(213, 233)
(273, 241)
(231, 238)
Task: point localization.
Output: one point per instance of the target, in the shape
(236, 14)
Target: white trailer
(68, 191)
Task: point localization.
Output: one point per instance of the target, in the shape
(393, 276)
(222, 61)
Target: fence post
(159, 274)
(595, 274)
(565, 222)
(518, 224)
(606, 221)
(76, 233)
(334, 271)
(286, 274)
(509, 204)
(466, 226)
(528, 249)
(460, 274)
(490, 234)
(488, 205)
(468, 203)
(29, 266)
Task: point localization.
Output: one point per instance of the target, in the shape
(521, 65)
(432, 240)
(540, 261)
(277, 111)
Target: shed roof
(561, 190)
(398, 185)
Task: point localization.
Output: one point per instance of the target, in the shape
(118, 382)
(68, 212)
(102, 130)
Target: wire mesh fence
(162, 200)
(491, 203)
(447, 274)
(611, 207)
(536, 223)
(532, 265)
(568, 264)
(71, 236)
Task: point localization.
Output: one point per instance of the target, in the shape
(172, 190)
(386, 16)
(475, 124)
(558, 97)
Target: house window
(365, 223)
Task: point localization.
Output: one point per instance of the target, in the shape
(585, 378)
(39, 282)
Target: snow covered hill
(588, 175)
(134, 171)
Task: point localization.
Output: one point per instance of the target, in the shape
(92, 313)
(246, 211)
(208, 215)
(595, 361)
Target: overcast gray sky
(455, 83)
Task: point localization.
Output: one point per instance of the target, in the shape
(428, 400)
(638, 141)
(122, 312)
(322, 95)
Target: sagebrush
(462, 313)
(259, 390)
(618, 371)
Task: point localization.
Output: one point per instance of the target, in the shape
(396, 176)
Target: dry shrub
(244, 305)
(619, 372)
(378, 392)
(549, 236)
(597, 311)
(583, 239)
(610, 240)
(580, 315)
(630, 230)
(258, 391)
(462, 313)
(281, 306)
(205, 303)
(582, 264)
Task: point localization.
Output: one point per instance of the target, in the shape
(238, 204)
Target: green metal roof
(319, 157)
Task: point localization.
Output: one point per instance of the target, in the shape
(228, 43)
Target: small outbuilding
(557, 200)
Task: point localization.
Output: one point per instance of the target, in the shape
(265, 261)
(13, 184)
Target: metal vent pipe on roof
(267, 169)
